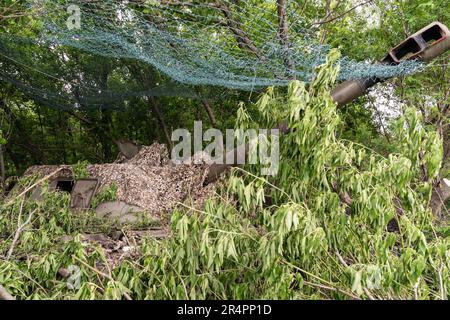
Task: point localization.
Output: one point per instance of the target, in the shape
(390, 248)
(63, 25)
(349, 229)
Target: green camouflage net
(223, 44)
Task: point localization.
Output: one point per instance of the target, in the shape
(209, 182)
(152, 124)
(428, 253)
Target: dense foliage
(339, 221)
(348, 216)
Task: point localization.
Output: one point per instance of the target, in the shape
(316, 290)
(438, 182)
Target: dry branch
(342, 14)
(2, 168)
(19, 231)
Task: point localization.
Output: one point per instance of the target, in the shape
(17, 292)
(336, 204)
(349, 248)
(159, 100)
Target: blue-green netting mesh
(225, 43)
(69, 79)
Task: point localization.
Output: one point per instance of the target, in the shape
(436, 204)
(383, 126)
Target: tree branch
(33, 186)
(241, 37)
(102, 274)
(19, 229)
(2, 170)
(342, 14)
(155, 107)
(209, 111)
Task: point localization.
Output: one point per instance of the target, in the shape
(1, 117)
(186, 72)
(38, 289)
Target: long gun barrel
(425, 45)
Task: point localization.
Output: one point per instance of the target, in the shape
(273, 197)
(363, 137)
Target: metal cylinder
(350, 90)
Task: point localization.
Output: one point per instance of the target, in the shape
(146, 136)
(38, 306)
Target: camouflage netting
(148, 180)
(105, 58)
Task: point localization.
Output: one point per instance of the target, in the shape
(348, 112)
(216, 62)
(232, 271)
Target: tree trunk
(105, 134)
(441, 193)
(62, 137)
(105, 118)
(283, 34)
(2, 168)
(155, 107)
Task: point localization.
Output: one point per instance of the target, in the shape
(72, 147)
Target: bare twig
(283, 34)
(442, 293)
(242, 38)
(367, 292)
(328, 285)
(342, 14)
(341, 260)
(14, 12)
(321, 286)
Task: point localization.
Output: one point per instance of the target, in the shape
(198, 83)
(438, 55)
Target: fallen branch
(321, 286)
(102, 274)
(33, 186)
(341, 260)
(19, 231)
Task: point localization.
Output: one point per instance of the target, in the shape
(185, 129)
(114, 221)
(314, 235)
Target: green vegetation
(351, 213)
(106, 194)
(307, 243)
(80, 170)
